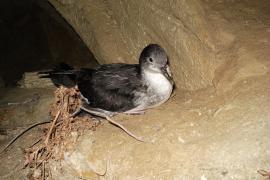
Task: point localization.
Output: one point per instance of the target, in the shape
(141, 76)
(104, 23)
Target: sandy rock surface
(117, 31)
(219, 132)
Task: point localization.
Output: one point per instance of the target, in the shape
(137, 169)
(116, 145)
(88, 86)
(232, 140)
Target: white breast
(158, 82)
(159, 85)
(158, 91)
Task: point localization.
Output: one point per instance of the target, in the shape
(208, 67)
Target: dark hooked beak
(166, 71)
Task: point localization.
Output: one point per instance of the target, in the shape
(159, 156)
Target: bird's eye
(150, 60)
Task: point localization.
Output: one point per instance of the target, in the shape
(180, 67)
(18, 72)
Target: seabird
(109, 89)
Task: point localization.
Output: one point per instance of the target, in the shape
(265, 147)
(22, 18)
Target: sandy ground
(221, 132)
(15, 119)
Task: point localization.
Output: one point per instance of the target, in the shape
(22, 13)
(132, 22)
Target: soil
(19, 109)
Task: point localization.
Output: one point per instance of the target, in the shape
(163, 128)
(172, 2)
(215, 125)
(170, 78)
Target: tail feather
(62, 74)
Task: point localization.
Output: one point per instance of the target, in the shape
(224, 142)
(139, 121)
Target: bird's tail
(62, 74)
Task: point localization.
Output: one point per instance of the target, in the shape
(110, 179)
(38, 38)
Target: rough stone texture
(116, 31)
(216, 137)
(33, 80)
(221, 132)
(14, 119)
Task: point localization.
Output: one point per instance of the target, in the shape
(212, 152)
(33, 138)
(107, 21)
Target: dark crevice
(33, 37)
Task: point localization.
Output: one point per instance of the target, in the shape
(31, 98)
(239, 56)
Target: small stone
(32, 80)
(224, 173)
(180, 139)
(37, 173)
(203, 177)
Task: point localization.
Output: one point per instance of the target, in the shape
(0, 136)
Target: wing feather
(110, 87)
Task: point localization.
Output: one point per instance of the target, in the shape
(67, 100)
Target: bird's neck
(155, 79)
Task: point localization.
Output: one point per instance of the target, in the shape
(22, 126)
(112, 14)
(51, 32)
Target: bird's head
(154, 59)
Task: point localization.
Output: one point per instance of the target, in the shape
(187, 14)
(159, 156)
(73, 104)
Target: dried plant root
(20, 134)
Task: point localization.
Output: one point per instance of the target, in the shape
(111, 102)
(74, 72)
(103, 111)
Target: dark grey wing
(62, 74)
(111, 87)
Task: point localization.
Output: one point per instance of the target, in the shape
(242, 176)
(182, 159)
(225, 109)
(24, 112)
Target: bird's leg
(134, 112)
(93, 111)
(107, 115)
(76, 112)
(98, 112)
(80, 110)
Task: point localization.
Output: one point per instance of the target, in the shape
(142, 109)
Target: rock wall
(117, 30)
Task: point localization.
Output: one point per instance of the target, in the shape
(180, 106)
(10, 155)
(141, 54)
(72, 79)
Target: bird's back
(111, 87)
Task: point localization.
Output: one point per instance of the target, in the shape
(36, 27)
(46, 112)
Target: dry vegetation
(60, 134)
